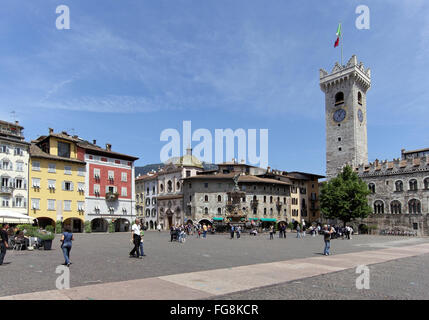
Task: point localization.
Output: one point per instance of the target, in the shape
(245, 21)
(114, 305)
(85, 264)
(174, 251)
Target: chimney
(94, 141)
(64, 133)
(75, 137)
(268, 169)
(51, 130)
(108, 147)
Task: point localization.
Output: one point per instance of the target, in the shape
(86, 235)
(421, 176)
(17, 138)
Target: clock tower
(345, 112)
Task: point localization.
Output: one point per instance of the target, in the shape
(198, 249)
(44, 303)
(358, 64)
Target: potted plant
(87, 225)
(47, 240)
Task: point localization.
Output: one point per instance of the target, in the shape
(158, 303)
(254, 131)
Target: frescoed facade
(57, 181)
(110, 195)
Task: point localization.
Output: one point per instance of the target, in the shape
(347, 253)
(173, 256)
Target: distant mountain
(155, 166)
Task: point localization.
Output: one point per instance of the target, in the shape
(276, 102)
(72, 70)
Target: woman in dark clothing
(66, 245)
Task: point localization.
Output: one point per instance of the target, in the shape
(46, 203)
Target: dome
(188, 160)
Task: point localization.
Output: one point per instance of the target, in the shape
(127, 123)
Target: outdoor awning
(14, 217)
(253, 218)
(268, 219)
(217, 219)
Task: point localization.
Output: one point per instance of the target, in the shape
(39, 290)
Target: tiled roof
(36, 152)
(147, 177)
(92, 147)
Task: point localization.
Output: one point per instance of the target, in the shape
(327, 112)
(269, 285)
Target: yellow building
(57, 181)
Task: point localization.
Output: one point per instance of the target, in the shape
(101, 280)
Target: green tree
(345, 197)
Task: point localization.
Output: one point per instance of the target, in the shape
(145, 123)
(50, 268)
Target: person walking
(271, 232)
(4, 242)
(66, 245)
(232, 232)
(238, 230)
(141, 243)
(327, 238)
(172, 232)
(298, 231)
(158, 227)
(135, 231)
(204, 230)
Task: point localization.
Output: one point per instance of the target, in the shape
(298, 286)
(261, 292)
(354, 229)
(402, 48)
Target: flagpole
(341, 43)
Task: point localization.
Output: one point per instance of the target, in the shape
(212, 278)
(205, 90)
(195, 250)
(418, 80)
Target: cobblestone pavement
(102, 258)
(400, 279)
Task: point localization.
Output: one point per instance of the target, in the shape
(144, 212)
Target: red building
(110, 188)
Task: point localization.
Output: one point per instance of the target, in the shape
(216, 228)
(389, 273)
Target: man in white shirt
(135, 232)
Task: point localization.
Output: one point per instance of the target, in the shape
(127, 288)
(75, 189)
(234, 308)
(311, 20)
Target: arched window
(219, 211)
(414, 206)
(265, 211)
(395, 206)
(178, 185)
(271, 211)
(147, 190)
(265, 199)
(426, 183)
(219, 198)
(147, 212)
(153, 212)
(371, 187)
(206, 210)
(153, 201)
(271, 199)
(153, 189)
(399, 186)
(206, 198)
(169, 186)
(339, 98)
(360, 98)
(378, 207)
(148, 201)
(413, 185)
(161, 187)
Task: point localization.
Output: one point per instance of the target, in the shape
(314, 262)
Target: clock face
(360, 115)
(339, 115)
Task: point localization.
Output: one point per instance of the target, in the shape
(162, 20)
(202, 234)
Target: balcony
(6, 190)
(112, 196)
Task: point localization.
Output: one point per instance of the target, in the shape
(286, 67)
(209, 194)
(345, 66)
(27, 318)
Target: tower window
(360, 98)
(339, 124)
(339, 98)
(339, 149)
(339, 139)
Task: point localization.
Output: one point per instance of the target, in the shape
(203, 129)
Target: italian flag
(338, 36)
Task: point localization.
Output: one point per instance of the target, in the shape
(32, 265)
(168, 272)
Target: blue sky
(126, 70)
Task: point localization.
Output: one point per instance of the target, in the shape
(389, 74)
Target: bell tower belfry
(345, 91)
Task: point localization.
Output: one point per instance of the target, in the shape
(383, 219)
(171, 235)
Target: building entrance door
(170, 221)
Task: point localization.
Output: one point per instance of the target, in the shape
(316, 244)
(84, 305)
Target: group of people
(235, 230)
(179, 232)
(137, 234)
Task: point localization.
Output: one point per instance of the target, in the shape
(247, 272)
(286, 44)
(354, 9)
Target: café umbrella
(14, 217)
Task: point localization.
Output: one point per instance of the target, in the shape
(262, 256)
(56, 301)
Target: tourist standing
(238, 230)
(4, 242)
(232, 232)
(327, 238)
(271, 232)
(135, 231)
(158, 227)
(66, 245)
